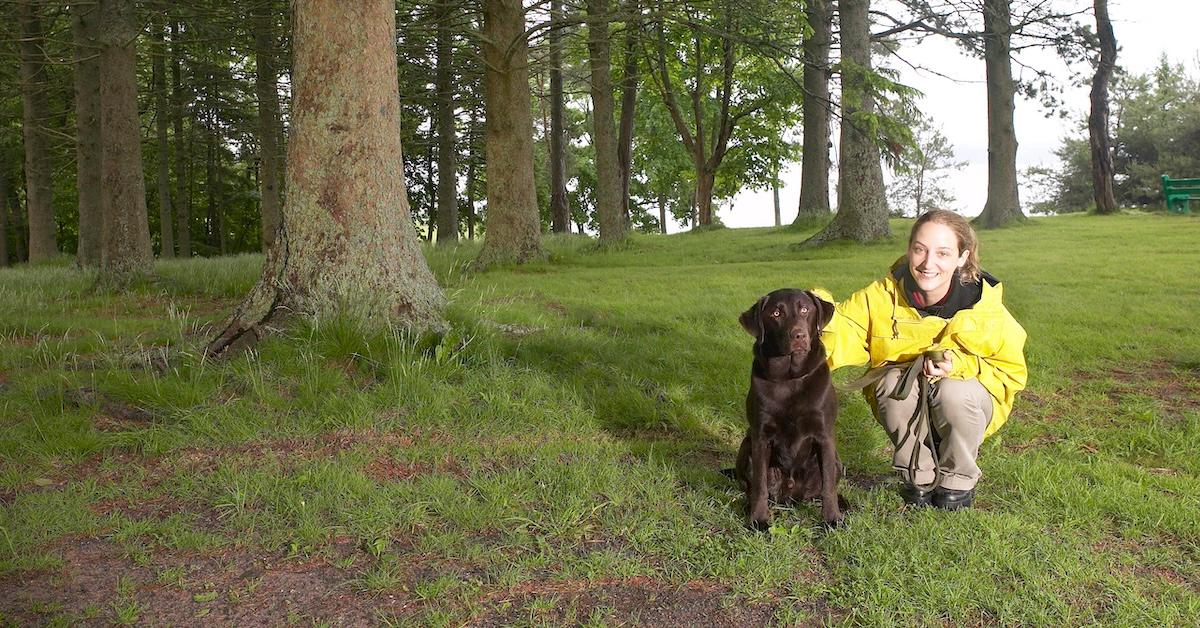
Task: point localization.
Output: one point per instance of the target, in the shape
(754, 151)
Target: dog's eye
(803, 310)
(776, 314)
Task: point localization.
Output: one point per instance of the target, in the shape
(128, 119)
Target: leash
(919, 426)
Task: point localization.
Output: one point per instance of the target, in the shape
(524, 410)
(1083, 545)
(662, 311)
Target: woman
(938, 310)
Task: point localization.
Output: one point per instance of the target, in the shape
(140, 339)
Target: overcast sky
(1145, 30)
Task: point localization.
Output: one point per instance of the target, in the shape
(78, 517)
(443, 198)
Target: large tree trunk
(39, 189)
(346, 244)
(266, 88)
(629, 91)
(126, 251)
(183, 206)
(166, 224)
(513, 224)
(814, 165)
(1003, 201)
(609, 212)
(447, 190)
(560, 214)
(87, 132)
(862, 207)
(1102, 163)
(472, 159)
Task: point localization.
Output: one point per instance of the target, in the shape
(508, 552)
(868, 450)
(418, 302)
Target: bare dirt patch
(632, 601)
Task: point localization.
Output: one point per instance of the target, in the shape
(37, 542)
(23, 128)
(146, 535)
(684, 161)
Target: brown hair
(967, 240)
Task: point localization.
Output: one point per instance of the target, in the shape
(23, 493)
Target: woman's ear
(963, 257)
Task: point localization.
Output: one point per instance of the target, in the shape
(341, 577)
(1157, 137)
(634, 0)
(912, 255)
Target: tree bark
(1098, 137)
(560, 214)
(513, 223)
(125, 252)
(183, 208)
(4, 261)
(629, 91)
(862, 207)
(662, 213)
(346, 246)
(39, 189)
(471, 187)
(266, 88)
(775, 191)
(447, 168)
(1003, 204)
(166, 224)
(87, 132)
(814, 165)
(609, 211)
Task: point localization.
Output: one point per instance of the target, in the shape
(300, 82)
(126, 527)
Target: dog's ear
(824, 310)
(751, 319)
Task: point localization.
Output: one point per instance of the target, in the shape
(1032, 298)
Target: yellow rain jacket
(877, 325)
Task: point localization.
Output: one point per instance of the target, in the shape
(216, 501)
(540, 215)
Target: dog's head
(786, 322)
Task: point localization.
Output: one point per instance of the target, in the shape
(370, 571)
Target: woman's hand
(938, 368)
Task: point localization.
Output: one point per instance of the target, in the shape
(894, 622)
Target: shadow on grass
(683, 409)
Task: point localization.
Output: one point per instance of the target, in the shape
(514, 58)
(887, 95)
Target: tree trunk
(471, 188)
(166, 224)
(1098, 138)
(1003, 201)
(16, 222)
(183, 208)
(87, 132)
(4, 261)
(431, 190)
(513, 223)
(220, 204)
(212, 232)
(266, 88)
(39, 189)
(609, 212)
(662, 213)
(704, 190)
(346, 245)
(814, 165)
(629, 91)
(775, 191)
(447, 190)
(560, 214)
(862, 207)
(126, 252)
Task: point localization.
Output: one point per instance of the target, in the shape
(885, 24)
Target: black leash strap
(919, 426)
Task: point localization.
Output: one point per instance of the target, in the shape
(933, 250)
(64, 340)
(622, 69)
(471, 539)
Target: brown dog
(789, 453)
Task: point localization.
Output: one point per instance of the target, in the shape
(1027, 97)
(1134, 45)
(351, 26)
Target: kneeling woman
(938, 310)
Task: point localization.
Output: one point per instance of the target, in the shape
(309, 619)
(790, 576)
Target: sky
(1145, 30)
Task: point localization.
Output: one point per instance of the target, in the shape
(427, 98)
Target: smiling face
(933, 256)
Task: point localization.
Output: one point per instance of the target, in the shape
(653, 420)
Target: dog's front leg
(760, 460)
(830, 512)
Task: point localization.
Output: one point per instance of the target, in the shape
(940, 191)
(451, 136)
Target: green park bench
(1179, 193)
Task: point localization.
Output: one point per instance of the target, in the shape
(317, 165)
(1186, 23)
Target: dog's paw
(760, 525)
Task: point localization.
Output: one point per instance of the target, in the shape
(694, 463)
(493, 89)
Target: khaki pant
(959, 412)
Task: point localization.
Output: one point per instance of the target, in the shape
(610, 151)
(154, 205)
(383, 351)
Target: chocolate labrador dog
(789, 453)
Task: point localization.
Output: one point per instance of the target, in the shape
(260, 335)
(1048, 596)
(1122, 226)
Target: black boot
(949, 499)
(915, 497)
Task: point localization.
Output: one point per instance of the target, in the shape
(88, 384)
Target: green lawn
(555, 460)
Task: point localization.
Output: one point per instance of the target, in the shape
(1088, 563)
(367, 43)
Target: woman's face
(932, 258)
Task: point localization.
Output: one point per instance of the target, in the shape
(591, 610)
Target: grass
(555, 459)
